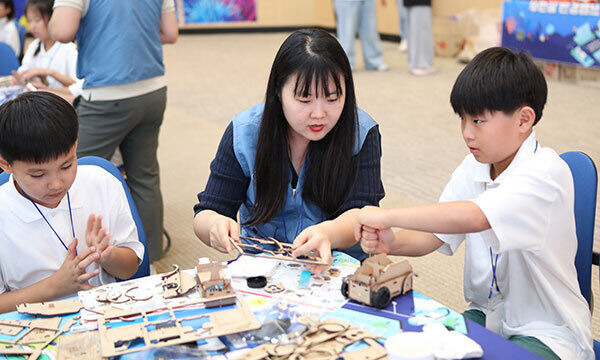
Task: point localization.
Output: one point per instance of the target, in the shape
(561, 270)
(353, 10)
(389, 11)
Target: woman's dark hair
(37, 127)
(309, 55)
(11, 5)
(45, 8)
(498, 79)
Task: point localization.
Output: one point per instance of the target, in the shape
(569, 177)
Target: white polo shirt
(530, 210)
(32, 252)
(60, 57)
(10, 34)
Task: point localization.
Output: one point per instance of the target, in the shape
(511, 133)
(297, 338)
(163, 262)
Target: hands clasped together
(72, 275)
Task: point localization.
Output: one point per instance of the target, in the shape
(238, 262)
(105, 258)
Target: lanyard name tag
(495, 309)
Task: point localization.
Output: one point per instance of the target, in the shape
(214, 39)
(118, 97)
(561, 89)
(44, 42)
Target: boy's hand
(221, 230)
(71, 276)
(15, 79)
(373, 217)
(96, 237)
(311, 239)
(29, 74)
(375, 241)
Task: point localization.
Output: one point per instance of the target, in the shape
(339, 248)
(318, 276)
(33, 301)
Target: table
(494, 346)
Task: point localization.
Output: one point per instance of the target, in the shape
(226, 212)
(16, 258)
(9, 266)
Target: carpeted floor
(213, 77)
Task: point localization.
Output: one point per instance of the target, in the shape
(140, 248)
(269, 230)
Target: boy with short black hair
(49, 202)
(511, 202)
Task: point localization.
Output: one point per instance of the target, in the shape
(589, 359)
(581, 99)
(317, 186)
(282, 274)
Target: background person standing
(359, 16)
(124, 93)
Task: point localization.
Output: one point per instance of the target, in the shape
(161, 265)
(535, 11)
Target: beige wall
(274, 13)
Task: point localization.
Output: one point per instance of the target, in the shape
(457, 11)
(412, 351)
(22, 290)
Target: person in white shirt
(511, 201)
(8, 29)
(48, 64)
(63, 228)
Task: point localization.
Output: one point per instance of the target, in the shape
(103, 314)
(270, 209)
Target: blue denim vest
(296, 214)
(119, 42)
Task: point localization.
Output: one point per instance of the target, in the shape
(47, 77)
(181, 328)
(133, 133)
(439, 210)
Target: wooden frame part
(323, 340)
(114, 341)
(283, 251)
(51, 308)
(79, 346)
(176, 283)
(213, 285)
(45, 337)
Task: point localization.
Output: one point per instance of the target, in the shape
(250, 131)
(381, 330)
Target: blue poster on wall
(553, 31)
(211, 11)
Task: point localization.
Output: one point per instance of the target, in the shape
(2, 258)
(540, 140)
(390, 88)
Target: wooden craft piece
(374, 352)
(176, 283)
(79, 346)
(39, 332)
(274, 288)
(11, 330)
(378, 280)
(212, 282)
(134, 297)
(283, 251)
(38, 350)
(324, 340)
(159, 333)
(51, 308)
(14, 350)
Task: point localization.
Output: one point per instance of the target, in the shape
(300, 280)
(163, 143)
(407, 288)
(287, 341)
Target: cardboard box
(567, 73)
(588, 76)
(551, 70)
(447, 37)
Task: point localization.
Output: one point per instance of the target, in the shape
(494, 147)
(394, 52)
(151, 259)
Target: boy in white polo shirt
(511, 202)
(49, 203)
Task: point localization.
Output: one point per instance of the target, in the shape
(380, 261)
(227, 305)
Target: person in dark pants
(124, 93)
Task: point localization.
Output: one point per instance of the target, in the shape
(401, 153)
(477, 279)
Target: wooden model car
(377, 280)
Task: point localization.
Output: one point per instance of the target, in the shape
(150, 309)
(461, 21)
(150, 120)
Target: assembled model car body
(378, 280)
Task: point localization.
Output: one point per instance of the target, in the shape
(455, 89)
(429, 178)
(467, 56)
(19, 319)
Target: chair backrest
(144, 268)
(585, 180)
(22, 31)
(8, 59)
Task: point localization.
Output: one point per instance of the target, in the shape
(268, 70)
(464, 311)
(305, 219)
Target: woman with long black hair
(298, 166)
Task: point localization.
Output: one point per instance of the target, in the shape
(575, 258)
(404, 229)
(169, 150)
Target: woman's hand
(313, 239)
(220, 232)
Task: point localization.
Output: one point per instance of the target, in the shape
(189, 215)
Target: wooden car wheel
(381, 298)
(344, 289)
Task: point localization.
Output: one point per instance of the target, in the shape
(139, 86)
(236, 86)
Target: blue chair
(22, 31)
(585, 180)
(144, 268)
(8, 59)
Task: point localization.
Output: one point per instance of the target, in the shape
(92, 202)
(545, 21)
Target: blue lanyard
(47, 222)
(494, 280)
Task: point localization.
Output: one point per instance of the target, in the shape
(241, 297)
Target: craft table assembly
(204, 303)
